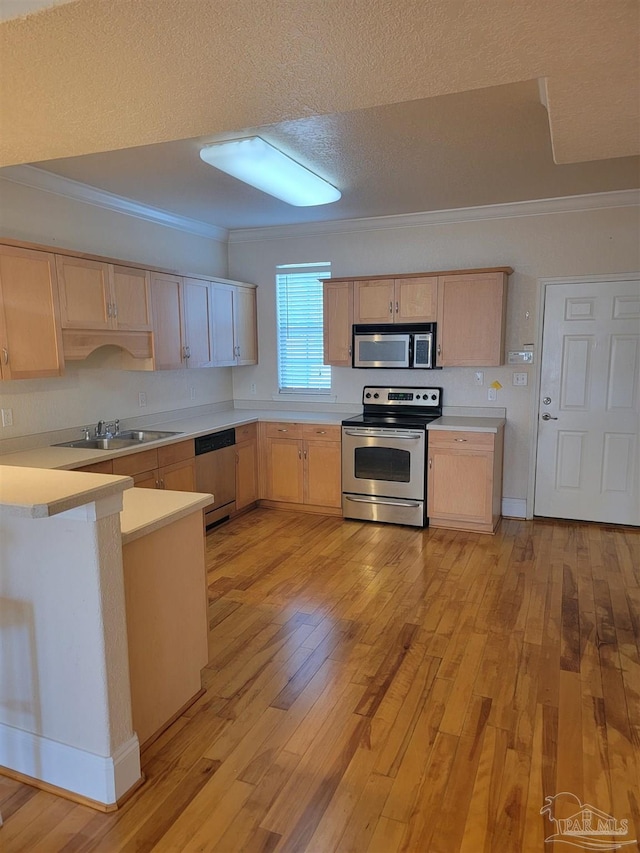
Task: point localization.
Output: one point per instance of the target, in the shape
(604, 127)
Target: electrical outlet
(253, 387)
(7, 417)
(479, 378)
(492, 395)
(520, 378)
(142, 399)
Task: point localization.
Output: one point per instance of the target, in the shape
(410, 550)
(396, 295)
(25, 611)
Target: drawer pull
(461, 439)
(281, 429)
(430, 462)
(321, 432)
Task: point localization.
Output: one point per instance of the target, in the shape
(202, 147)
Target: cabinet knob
(157, 484)
(299, 454)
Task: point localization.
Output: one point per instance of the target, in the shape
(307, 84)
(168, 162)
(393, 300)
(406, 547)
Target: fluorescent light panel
(255, 162)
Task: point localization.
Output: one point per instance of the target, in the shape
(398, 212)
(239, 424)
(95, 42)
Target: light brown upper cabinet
(395, 300)
(96, 295)
(234, 322)
(337, 301)
(471, 319)
(182, 322)
(30, 337)
(197, 313)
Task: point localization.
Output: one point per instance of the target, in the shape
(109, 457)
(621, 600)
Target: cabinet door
(416, 299)
(131, 299)
(147, 480)
(222, 306)
(337, 300)
(322, 473)
(179, 477)
(246, 473)
(85, 293)
(166, 304)
(30, 337)
(284, 471)
(246, 325)
(460, 486)
(196, 296)
(471, 319)
(373, 301)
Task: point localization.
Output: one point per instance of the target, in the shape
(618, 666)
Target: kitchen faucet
(107, 429)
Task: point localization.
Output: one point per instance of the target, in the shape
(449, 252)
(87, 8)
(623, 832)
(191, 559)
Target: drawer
(105, 467)
(324, 432)
(136, 463)
(282, 430)
(246, 432)
(178, 452)
(461, 439)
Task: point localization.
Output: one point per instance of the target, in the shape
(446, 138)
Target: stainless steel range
(384, 452)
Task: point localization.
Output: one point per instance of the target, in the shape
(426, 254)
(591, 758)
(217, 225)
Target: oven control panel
(415, 397)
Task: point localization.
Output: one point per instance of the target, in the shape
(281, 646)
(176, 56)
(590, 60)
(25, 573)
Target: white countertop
(34, 493)
(146, 510)
(71, 457)
(450, 422)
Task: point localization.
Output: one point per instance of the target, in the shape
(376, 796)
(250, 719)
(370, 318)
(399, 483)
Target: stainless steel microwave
(394, 345)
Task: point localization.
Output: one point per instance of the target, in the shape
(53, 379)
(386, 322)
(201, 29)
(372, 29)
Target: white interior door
(589, 413)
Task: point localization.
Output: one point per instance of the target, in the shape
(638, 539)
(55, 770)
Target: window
(300, 347)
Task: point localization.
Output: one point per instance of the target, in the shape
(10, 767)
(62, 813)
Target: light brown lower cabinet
(246, 465)
(301, 466)
(464, 479)
(169, 467)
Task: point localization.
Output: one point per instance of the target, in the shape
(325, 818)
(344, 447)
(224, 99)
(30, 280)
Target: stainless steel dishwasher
(216, 473)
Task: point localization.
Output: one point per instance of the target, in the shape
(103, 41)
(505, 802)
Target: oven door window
(382, 463)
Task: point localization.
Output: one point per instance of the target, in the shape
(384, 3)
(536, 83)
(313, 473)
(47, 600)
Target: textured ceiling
(404, 104)
(482, 147)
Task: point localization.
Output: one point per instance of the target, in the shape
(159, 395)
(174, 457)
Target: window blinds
(300, 346)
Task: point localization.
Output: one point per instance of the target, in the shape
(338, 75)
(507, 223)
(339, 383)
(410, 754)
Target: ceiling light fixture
(255, 162)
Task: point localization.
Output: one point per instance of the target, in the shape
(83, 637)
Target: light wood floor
(380, 688)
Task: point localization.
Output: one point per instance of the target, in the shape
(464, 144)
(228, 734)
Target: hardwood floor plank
(379, 688)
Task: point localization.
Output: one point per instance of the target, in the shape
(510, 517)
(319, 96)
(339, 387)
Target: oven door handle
(407, 436)
(384, 503)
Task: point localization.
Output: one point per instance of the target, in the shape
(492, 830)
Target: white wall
(536, 246)
(86, 394)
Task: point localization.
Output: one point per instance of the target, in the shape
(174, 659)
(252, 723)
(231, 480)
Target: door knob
(546, 401)
(547, 417)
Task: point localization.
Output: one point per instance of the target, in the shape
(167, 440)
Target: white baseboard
(514, 507)
(101, 778)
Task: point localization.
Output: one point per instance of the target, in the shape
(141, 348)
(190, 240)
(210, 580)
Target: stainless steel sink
(100, 443)
(145, 434)
(129, 438)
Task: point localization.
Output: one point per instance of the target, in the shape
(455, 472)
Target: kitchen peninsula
(87, 563)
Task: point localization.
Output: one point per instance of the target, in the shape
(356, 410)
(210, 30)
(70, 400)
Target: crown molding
(540, 207)
(40, 179)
